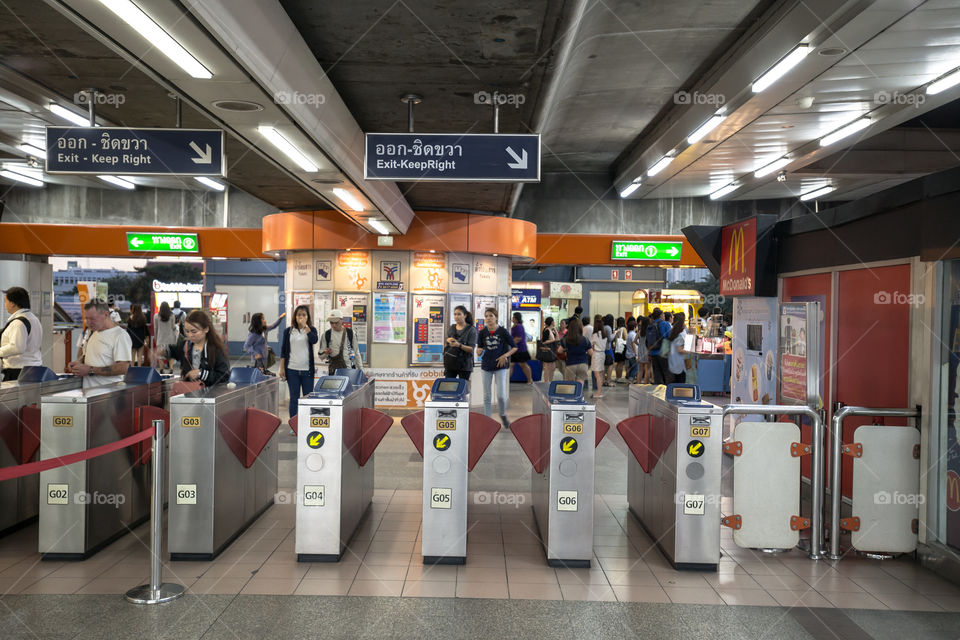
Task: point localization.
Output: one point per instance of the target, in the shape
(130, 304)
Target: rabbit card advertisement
(753, 371)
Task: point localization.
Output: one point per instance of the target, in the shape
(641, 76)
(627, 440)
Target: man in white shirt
(21, 337)
(114, 313)
(107, 354)
(338, 344)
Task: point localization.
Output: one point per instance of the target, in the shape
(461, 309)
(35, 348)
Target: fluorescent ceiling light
(379, 226)
(705, 128)
(20, 177)
(843, 132)
(213, 184)
(659, 165)
(276, 139)
(770, 168)
(633, 186)
(24, 170)
(348, 198)
(816, 193)
(157, 37)
(780, 69)
(944, 83)
(67, 114)
(722, 191)
(120, 182)
(33, 150)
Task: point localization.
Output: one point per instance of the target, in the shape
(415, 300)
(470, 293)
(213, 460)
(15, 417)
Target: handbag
(271, 358)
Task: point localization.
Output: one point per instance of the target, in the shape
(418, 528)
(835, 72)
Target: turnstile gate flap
(636, 433)
(261, 425)
(483, 429)
(413, 425)
(146, 414)
(373, 426)
(29, 432)
(602, 427)
(292, 423)
(527, 432)
(181, 387)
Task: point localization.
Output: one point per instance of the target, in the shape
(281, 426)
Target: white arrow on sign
(136, 242)
(203, 157)
(520, 162)
(672, 252)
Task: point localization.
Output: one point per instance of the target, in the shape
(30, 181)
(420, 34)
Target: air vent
(830, 52)
(325, 181)
(241, 106)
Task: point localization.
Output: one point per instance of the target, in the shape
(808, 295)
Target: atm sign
(190, 421)
(446, 425)
(573, 427)
(319, 422)
(699, 432)
(63, 421)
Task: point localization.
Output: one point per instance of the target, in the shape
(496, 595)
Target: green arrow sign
(642, 250)
(162, 242)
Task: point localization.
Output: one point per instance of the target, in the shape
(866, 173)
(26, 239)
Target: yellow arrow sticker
(568, 445)
(695, 448)
(444, 440)
(315, 440)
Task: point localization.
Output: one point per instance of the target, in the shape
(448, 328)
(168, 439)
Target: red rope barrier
(9, 473)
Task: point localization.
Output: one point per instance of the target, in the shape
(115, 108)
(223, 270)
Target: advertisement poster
(793, 354)
(524, 299)
(753, 369)
(403, 388)
(353, 306)
(429, 326)
(322, 304)
(566, 290)
(390, 317)
(457, 299)
(428, 272)
(480, 304)
(353, 270)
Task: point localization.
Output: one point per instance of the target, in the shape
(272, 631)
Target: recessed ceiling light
(659, 165)
(240, 106)
(280, 142)
(118, 181)
(767, 169)
(630, 188)
(213, 184)
(722, 191)
(780, 69)
(33, 150)
(845, 131)
(68, 115)
(944, 83)
(379, 226)
(708, 126)
(349, 199)
(816, 193)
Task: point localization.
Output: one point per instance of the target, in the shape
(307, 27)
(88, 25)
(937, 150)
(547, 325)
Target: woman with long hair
(644, 372)
(256, 343)
(137, 328)
(522, 355)
(296, 356)
(598, 341)
(676, 360)
(495, 346)
(201, 353)
(548, 349)
(165, 334)
(620, 348)
(578, 352)
(461, 344)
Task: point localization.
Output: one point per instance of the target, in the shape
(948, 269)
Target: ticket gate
(20, 433)
(451, 439)
(560, 438)
(338, 431)
(223, 462)
(87, 505)
(673, 478)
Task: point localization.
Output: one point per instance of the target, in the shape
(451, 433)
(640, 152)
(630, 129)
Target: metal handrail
(836, 444)
(816, 501)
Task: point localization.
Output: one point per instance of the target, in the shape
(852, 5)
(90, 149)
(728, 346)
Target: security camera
(781, 176)
(805, 102)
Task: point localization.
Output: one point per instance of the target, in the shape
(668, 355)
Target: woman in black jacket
(296, 356)
(202, 355)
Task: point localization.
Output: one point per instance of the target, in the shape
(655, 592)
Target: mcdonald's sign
(953, 491)
(738, 259)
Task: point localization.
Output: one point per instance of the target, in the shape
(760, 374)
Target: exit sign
(162, 242)
(660, 250)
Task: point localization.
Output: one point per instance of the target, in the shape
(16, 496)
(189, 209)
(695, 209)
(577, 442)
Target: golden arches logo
(737, 260)
(953, 490)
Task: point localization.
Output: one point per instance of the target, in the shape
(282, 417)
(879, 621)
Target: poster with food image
(755, 338)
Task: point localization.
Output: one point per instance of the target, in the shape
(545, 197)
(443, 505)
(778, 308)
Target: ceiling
(603, 82)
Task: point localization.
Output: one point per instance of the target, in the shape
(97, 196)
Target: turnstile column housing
(446, 444)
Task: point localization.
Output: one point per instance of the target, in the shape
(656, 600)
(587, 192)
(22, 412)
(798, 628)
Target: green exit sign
(665, 251)
(162, 242)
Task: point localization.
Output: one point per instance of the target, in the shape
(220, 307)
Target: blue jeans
(297, 382)
(632, 368)
(502, 377)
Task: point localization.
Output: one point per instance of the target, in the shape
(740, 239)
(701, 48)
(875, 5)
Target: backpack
(652, 338)
(25, 322)
(326, 338)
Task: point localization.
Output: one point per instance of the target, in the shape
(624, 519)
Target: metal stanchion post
(157, 591)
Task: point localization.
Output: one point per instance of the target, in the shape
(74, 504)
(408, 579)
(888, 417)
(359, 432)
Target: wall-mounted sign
(566, 290)
(390, 276)
(748, 259)
(663, 251)
(179, 287)
(323, 270)
(485, 275)
(390, 317)
(428, 272)
(428, 313)
(353, 270)
(525, 299)
(152, 242)
(460, 272)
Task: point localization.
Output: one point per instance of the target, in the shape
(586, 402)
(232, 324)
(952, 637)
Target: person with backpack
(461, 344)
(660, 330)
(22, 336)
(339, 344)
(495, 346)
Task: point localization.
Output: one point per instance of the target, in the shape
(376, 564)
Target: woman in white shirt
(598, 341)
(296, 356)
(165, 334)
(676, 360)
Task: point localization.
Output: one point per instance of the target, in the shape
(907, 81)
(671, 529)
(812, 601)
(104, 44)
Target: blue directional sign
(118, 150)
(464, 157)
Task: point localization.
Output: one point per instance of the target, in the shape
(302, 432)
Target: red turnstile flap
(292, 422)
(527, 432)
(483, 429)
(413, 425)
(637, 434)
(261, 425)
(181, 387)
(146, 414)
(29, 432)
(373, 427)
(602, 427)
(232, 427)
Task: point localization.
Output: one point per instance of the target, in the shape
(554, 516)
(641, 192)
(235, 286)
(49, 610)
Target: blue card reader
(565, 392)
(332, 387)
(682, 393)
(449, 390)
